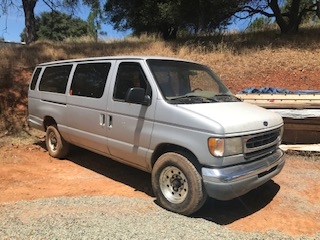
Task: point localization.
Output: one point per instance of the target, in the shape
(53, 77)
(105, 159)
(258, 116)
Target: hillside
(241, 60)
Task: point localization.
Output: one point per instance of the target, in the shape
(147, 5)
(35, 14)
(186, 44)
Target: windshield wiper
(190, 98)
(225, 96)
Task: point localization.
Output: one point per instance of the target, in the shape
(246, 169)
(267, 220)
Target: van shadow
(219, 212)
(226, 212)
(135, 178)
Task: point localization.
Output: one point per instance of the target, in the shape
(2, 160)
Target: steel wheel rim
(53, 142)
(173, 184)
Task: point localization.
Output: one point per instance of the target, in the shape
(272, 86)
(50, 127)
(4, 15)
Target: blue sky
(12, 25)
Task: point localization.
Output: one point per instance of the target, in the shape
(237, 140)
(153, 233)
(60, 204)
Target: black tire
(177, 184)
(56, 145)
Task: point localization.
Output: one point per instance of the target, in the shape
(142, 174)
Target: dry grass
(241, 60)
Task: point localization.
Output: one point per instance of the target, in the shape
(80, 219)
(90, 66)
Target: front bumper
(231, 182)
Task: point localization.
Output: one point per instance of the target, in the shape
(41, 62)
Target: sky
(12, 24)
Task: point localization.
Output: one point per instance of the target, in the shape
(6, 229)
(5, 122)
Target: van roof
(111, 58)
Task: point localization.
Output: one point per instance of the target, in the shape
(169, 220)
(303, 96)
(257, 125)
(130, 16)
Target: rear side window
(55, 79)
(89, 79)
(35, 78)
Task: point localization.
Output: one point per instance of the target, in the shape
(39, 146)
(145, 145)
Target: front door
(129, 125)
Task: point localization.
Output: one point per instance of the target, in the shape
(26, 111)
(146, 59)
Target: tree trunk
(30, 21)
(294, 17)
(291, 26)
(169, 33)
(278, 15)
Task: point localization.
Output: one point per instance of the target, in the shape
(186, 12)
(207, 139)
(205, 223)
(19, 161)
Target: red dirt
(290, 203)
(287, 79)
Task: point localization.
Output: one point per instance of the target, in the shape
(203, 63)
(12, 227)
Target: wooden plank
(307, 121)
(304, 127)
(301, 130)
(279, 96)
(308, 124)
(285, 104)
(300, 114)
(296, 101)
(301, 147)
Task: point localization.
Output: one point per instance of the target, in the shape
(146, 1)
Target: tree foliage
(58, 26)
(169, 16)
(28, 7)
(288, 14)
(260, 23)
(95, 19)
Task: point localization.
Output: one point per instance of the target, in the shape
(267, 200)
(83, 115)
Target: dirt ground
(290, 203)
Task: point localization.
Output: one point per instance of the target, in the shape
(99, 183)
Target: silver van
(173, 118)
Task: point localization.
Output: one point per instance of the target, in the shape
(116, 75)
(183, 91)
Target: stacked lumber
(287, 101)
(300, 112)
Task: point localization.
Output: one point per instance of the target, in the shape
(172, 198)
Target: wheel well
(166, 147)
(48, 121)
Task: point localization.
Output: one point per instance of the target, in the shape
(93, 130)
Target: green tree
(260, 23)
(94, 20)
(288, 14)
(58, 26)
(28, 9)
(304, 7)
(168, 16)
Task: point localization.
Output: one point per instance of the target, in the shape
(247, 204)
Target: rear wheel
(177, 184)
(56, 145)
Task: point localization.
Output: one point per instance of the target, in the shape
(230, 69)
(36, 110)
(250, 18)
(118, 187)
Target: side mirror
(137, 95)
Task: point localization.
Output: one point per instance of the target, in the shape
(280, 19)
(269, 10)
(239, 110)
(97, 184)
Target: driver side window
(130, 75)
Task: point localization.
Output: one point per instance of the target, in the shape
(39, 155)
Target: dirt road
(290, 203)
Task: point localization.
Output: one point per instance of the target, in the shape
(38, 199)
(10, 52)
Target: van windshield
(184, 82)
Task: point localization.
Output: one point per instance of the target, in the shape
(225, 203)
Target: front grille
(262, 139)
(260, 153)
(262, 144)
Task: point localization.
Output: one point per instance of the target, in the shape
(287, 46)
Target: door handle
(102, 120)
(110, 121)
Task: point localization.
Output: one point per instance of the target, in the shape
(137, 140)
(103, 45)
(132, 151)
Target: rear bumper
(231, 182)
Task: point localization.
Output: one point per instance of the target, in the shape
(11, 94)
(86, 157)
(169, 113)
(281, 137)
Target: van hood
(236, 117)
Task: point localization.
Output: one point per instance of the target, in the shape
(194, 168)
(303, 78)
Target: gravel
(109, 218)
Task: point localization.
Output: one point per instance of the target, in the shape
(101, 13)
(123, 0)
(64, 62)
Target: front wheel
(177, 184)
(56, 145)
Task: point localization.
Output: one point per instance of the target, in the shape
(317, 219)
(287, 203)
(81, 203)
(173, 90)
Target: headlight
(220, 147)
(216, 146)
